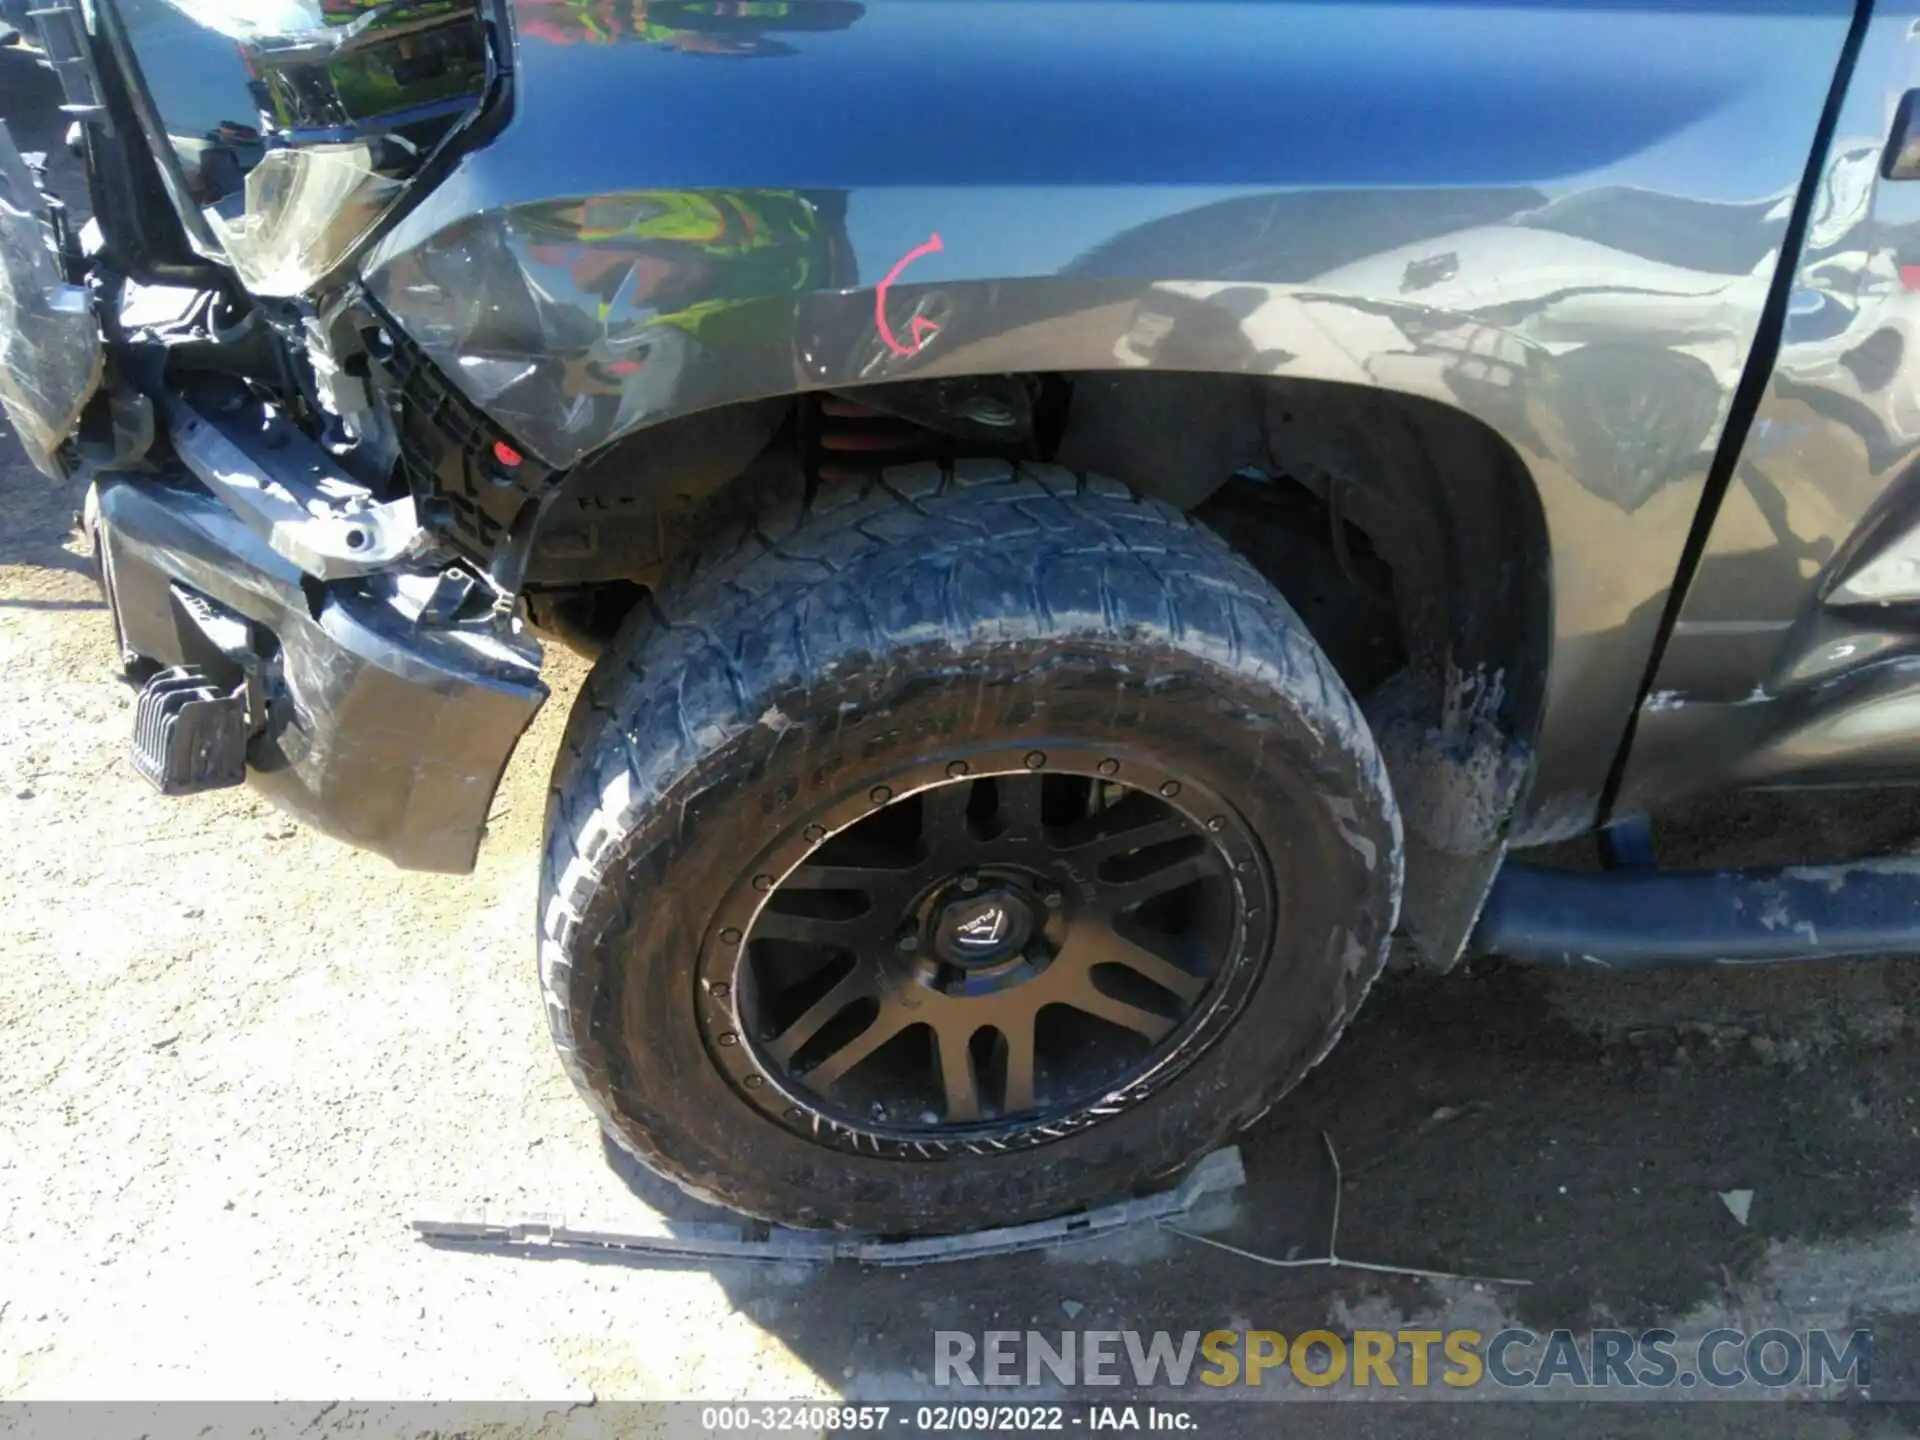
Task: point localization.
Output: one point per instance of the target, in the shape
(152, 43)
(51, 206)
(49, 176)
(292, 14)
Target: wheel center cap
(983, 929)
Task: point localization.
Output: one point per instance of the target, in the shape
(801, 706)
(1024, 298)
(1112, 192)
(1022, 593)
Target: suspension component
(859, 431)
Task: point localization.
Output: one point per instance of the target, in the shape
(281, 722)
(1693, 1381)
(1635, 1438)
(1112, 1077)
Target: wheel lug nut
(880, 795)
(727, 1037)
(1036, 759)
(754, 1082)
(763, 882)
(969, 884)
(1170, 789)
(908, 943)
(957, 769)
(1109, 767)
(721, 992)
(1053, 899)
(816, 833)
(1217, 823)
(794, 1112)
(730, 936)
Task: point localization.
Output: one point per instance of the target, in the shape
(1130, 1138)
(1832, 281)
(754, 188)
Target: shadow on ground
(1571, 1129)
(1568, 1128)
(1482, 1134)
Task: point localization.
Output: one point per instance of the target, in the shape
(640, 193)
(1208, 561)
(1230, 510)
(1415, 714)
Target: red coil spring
(852, 439)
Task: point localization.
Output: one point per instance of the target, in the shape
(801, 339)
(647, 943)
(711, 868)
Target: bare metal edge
(325, 523)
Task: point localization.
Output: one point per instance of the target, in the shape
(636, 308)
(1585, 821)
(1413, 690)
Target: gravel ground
(236, 1058)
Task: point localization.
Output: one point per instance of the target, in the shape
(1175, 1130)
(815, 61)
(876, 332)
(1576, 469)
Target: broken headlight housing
(294, 126)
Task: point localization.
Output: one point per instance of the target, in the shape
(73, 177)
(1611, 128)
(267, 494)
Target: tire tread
(762, 608)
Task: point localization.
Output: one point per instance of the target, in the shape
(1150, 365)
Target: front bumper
(377, 719)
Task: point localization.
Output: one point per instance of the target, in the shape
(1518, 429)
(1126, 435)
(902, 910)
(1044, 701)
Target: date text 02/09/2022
(750, 1420)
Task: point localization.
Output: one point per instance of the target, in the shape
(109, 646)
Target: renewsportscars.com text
(1410, 1359)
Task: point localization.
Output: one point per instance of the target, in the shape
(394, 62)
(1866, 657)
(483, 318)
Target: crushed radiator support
(1221, 1171)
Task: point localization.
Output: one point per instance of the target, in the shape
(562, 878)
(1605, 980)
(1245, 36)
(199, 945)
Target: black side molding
(1651, 919)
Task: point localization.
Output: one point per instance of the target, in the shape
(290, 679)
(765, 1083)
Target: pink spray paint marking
(922, 329)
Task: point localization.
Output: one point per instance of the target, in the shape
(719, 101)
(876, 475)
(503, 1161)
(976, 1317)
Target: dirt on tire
(925, 615)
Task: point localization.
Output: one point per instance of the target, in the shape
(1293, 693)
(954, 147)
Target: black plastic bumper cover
(389, 734)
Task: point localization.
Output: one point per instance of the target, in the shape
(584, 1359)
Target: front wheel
(962, 849)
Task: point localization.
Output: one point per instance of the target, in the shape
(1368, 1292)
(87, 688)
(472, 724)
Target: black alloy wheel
(997, 949)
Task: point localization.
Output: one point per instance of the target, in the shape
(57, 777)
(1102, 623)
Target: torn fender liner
(1218, 1172)
(50, 359)
(382, 726)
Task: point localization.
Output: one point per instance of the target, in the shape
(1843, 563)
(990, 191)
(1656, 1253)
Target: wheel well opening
(1400, 528)
(1408, 535)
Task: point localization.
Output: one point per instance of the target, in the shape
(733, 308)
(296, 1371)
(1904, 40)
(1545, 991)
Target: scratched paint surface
(920, 329)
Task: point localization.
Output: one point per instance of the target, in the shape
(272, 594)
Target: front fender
(1561, 218)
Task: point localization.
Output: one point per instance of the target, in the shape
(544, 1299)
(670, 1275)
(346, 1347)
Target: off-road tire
(888, 623)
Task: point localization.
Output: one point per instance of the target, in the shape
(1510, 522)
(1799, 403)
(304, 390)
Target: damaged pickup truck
(1092, 518)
